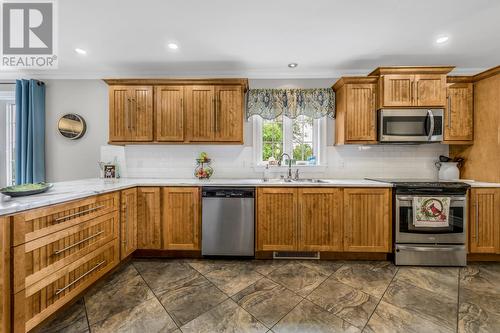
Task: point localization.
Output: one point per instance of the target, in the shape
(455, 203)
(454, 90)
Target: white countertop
(71, 190)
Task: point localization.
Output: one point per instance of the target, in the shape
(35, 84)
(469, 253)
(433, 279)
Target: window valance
(272, 103)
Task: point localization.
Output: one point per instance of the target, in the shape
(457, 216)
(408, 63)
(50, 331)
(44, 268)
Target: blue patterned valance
(272, 103)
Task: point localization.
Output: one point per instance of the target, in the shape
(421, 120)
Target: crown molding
(250, 74)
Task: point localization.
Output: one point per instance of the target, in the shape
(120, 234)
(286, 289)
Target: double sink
(298, 181)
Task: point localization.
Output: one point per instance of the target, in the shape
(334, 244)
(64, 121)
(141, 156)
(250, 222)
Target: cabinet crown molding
(353, 79)
(412, 70)
(179, 81)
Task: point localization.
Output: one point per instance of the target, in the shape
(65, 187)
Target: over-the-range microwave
(410, 125)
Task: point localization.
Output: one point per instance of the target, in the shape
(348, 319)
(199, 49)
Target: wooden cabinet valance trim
(177, 82)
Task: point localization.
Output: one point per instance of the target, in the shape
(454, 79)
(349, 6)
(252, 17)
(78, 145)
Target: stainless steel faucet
(280, 160)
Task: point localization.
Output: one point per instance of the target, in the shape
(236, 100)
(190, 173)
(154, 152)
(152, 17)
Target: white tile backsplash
(350, 161)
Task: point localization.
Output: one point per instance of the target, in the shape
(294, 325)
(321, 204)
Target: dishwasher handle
(228, 192)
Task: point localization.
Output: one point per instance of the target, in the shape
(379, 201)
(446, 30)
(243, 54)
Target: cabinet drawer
(37, 259)
(40, 300)
(40, 222)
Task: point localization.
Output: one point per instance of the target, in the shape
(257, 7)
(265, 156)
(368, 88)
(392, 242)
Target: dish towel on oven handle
(431, 212)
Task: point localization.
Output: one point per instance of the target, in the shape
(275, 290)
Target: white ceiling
(258, 38)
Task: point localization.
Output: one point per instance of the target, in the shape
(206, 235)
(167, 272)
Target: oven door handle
(411, 198)
(430, 249)
(431, 130)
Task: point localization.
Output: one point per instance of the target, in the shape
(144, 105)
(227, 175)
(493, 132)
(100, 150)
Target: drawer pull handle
(79, 213)
(58, 291)
(77, 243)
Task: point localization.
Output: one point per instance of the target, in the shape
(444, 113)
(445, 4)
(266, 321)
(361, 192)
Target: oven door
(407, 232)
(410, 125)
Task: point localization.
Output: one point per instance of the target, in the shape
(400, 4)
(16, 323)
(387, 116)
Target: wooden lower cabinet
(484, 235)
(149, 228)
(39, 259)
(5, 281)
(128, 222)
(277, 228)
(40, 222)
(367, 220)
(324, 219)
(40, 300)
(320, 219)
(181, 218)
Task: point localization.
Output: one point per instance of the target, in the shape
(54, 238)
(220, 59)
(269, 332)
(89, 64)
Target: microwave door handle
(431, 130)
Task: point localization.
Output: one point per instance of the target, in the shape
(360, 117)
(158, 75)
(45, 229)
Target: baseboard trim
(336, 255)
(482, 257)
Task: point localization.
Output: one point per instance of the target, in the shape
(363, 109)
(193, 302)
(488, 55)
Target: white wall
(68, 159)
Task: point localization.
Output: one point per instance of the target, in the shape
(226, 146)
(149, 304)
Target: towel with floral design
(431, 211)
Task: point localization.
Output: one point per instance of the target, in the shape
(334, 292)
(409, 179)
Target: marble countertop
(71, 190)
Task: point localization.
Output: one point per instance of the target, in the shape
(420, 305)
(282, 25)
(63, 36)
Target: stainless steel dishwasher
(228, 224)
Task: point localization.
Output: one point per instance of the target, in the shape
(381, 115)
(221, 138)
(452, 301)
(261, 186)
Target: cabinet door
(485, 220)
(128, 217)
(141, 122)
(148, 218)
(229, 114)
(200, 112)
(5, 276)
(397, 90)
(361, 115)
(119, 113)
(320, 219)
(430, 90)
(459, 113)
(277, 228)
(169, 112)
(181, 218)
(367, 220)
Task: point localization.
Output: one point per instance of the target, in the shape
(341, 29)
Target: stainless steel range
(441, 245)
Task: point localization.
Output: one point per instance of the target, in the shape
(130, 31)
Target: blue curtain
(30, 131)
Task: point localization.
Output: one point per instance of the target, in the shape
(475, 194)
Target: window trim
(319, 142)
(10, 142)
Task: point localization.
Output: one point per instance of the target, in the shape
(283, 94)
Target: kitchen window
(302, 138)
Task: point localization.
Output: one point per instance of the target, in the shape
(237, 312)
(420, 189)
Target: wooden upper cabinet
(229, 113)
(149, 229)
(411, 86)
(361, 113)
(356, 109)
(200, 101)
(320, 219)
(484, 220)
(181, 218)
(176, 110)
(119, 113)
(142, 113)
(277, 219)
(170, 119)
(458, 118)
(131, 113)
(128, 217)
(430, 90)
(397, 90)
(367, 220)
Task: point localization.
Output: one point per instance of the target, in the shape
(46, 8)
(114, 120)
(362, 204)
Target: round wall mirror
(72, 126)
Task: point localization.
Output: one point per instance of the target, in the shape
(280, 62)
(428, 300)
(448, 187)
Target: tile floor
(147, 296)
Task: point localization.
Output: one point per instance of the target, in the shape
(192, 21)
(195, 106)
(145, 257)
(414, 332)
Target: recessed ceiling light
(80, 51)
(293, 64)
(442, 39)
(173, 46)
